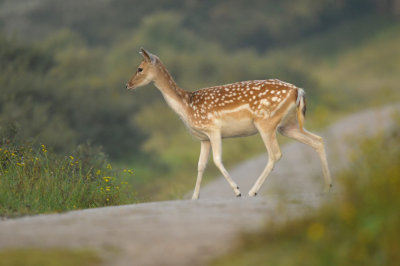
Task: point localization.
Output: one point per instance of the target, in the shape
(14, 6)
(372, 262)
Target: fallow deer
(234, 110)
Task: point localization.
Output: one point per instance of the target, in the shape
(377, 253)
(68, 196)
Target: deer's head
(145, 72)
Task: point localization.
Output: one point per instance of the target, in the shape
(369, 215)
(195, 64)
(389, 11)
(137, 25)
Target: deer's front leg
(203, 159)
(216, 145)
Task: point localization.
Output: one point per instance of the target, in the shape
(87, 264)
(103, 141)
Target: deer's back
(233, 108)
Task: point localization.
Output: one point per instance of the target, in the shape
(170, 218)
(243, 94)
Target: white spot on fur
(265, 102)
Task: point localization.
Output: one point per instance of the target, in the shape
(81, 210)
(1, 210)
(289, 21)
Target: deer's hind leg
(290, 128)
(268, 135)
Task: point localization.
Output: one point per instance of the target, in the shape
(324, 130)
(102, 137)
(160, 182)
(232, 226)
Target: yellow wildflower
(44, 149)
(109, 166)
(108, 188)
(108, 199)
(106, 178)
(98, 172)
(71, 157)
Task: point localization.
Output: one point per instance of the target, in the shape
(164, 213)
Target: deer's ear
(148, 56)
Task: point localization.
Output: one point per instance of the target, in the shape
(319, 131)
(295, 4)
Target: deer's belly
(233, 127)
(229, 124)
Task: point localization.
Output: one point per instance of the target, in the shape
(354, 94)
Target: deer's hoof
(239, 195)
(252, 194)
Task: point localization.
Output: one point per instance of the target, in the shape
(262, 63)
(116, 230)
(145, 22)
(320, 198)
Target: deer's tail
(301, 107)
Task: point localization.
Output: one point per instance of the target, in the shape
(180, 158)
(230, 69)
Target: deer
(234, 110)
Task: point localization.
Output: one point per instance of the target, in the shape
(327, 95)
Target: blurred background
(64, 64)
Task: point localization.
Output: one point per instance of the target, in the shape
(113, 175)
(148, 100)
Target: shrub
(35, 180)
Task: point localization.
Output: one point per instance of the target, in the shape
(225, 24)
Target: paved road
(191, 233)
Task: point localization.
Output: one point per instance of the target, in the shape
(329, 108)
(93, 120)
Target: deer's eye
(140, 69)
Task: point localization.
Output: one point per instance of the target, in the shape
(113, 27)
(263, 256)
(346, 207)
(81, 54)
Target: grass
(360, 228)
(33, 180)
(48, 257)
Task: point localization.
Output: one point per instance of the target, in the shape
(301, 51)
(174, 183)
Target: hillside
(245, 23)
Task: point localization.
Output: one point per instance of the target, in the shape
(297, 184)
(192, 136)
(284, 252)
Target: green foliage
(256, 24)
(360, 228)
(54, 93)
(34, 180)
(48, 257)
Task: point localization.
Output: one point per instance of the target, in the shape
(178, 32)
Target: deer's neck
(177, 98)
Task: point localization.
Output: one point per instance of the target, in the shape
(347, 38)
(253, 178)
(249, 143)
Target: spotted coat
(260, 98)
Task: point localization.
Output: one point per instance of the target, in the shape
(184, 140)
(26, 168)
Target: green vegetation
(48, 257)
(62, 78)
(33, 180)
(255, 24)
(361, 228)
(54, 93)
